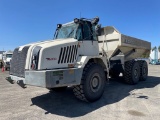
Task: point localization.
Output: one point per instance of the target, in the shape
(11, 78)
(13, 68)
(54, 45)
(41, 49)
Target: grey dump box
(114, 42)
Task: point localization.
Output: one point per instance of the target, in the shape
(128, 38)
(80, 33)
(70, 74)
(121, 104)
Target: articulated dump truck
(82, 55)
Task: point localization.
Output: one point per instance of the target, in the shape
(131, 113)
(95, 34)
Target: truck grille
(17, 66)
(68, 54)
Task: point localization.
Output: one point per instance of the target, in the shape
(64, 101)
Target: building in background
(155, 55)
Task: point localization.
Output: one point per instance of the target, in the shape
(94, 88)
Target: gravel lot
(119, 102)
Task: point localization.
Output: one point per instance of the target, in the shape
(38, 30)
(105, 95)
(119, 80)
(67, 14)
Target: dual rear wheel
(135, 71)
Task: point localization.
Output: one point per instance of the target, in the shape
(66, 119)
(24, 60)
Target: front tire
(92, 83)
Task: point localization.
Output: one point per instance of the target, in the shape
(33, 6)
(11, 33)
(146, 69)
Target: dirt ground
(119, 101)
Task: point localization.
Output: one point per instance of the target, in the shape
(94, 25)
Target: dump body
(113, 42)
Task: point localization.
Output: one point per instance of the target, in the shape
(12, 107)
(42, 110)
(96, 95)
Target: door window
(89, 31)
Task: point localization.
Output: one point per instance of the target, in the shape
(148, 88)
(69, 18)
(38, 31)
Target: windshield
(67, 31)
(9, 56)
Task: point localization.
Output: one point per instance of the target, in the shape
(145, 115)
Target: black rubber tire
(92, 83)
(58, 89)
(132, 72)
(143, 70)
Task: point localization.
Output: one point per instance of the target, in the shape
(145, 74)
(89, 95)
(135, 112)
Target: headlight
(35, 58)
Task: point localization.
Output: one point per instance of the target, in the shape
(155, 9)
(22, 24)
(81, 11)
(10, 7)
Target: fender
(83, 60)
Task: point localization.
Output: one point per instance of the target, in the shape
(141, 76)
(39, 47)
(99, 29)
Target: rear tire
(92, 83)
(143, 70)
(132, 72)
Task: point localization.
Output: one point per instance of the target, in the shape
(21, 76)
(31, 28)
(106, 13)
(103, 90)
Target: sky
(27, 21)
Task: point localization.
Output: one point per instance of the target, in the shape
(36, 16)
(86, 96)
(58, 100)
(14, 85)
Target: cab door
(88, 44)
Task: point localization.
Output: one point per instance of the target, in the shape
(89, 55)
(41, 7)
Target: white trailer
(82, 55)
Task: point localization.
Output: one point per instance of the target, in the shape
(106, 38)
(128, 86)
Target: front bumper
(52, 78)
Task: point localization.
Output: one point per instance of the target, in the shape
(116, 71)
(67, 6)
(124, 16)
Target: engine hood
(57, 42)
(51, 51)
(34, 44)
(58, 54)
(47, 43)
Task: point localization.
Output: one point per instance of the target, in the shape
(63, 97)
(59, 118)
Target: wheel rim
(95, 82)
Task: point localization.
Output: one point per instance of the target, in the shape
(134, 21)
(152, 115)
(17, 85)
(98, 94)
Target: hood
(34, 43)
(57, 42)
(58, 54)
(48, 49)
(47, 43)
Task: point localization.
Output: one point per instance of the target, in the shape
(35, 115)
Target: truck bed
(112, 41)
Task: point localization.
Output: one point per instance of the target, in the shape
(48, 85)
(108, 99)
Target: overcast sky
(26, 21)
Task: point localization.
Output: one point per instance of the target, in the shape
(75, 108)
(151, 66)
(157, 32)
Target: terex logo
(51, 58)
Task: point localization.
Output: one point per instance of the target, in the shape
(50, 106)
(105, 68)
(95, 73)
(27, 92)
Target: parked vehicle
(6, 58)
(82, 55)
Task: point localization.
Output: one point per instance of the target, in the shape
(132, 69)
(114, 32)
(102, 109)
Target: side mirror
(59, 26)
(76, 20)
(98, 30)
